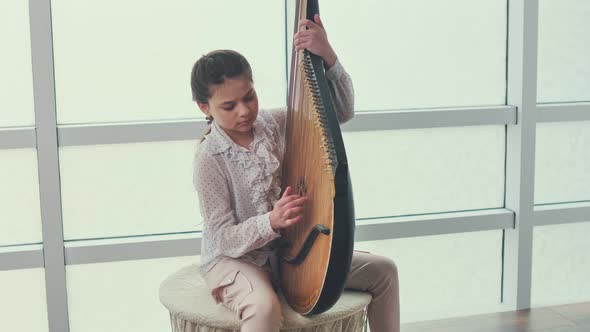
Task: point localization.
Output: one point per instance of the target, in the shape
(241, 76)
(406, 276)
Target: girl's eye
(228, 108)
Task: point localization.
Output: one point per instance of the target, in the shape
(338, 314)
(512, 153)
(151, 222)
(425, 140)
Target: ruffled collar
(219, 140)
(261, 175)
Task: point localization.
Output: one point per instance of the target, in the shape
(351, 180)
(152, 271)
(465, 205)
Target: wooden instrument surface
(311, 164)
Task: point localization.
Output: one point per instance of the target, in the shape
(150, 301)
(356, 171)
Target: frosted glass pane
(564, 50)
(445, 275)
(561, 264)
(402, 172)
(131, 60)
(16, 81)
(120, 296)
(23, 302)
(415, 54)
(562, 162)
(20, 216)
(128, 189)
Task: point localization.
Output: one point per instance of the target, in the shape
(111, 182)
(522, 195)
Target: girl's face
(234, 106)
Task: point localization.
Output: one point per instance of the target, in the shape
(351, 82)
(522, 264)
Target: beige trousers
(247, 290)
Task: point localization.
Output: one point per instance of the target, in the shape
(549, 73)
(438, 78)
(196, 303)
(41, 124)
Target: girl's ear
(204, 107)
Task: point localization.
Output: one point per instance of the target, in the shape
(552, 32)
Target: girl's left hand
(315, 40)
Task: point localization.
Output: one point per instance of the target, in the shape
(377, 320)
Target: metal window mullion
(520, 151)
(17, 138)
(170, 245)
(137, 132)
(432, 118)
(562, 213)
(21, 257)
(182, 129)
(48, 164)
(175, 245)
(558, 112)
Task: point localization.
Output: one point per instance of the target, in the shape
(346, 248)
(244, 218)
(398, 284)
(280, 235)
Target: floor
(564, 318)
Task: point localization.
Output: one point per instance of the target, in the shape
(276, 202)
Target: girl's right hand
(287, 211)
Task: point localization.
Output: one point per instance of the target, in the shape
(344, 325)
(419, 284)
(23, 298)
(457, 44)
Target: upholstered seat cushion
(192, 308)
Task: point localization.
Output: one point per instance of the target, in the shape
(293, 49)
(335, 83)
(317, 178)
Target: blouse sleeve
(342, 91)
(227, 236)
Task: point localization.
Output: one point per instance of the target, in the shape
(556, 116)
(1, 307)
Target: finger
(287, 191)
(306, 23)
(303, 38)
(293, 212)
(312, 25)
(286, 194)
(298, 41)
(295, 203)
(302, 23)
(300, 47)
(305, 45)
(303, 33)
(287, 200)
(318, 21)
(299, 44)
(292, 221)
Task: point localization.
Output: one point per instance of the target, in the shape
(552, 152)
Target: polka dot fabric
(237, 186)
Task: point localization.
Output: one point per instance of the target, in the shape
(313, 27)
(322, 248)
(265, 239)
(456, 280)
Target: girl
(237, 177)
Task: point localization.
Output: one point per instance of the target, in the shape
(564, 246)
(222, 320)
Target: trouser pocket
(234, 288)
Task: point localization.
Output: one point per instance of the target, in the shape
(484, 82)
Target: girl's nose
(243, 110)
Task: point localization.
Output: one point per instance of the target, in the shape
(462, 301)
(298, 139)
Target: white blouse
(238, 187)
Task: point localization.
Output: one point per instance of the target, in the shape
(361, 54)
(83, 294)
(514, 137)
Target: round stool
(192, 309)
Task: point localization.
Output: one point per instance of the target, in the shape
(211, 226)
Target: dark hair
(213, 68)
